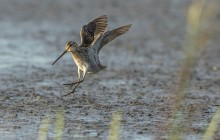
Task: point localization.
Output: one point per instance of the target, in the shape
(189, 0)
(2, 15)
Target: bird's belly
(91, 64)
(79, 62)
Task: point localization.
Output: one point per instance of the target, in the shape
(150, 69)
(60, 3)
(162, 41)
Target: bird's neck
(73, 50)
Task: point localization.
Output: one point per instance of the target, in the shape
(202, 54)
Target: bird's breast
(87, 60)
(80, 58)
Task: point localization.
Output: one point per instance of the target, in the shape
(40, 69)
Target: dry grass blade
(114, 132)
(199, 30)
(213, 126)
(59, 126)
(43, 130)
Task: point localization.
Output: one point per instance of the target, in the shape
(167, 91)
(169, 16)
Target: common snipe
(93, 39)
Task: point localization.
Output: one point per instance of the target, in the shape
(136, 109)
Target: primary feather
(109, 36)
(91, 31)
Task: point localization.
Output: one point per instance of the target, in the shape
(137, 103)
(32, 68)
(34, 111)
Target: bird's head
(70, 46)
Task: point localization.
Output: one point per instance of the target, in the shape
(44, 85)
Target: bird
(86, 55)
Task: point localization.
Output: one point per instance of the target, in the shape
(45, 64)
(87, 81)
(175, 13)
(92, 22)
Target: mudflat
(140, 79)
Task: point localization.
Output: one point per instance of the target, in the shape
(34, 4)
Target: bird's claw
(72, 92)
(71, 84)
(68, 85)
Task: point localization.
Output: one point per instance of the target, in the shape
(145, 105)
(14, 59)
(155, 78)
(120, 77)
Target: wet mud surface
(140, 79)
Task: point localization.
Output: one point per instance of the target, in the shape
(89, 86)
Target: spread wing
(109, 36)
(91, 31)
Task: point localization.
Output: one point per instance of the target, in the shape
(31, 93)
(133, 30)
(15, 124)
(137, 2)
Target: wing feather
(91, 31)
(109, 36)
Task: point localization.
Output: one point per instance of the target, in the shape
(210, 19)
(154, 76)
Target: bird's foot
(72, 92)
(71, 84)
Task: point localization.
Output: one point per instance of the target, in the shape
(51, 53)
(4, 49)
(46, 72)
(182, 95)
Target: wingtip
(129, 25)
(104, 16)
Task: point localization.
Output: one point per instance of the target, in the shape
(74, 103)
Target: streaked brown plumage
(92, 30)
(93, 39)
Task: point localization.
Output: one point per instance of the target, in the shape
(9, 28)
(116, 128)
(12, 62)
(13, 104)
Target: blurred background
(35, 30)
(142, 68)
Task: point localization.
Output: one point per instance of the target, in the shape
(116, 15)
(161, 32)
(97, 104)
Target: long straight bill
(59, 57)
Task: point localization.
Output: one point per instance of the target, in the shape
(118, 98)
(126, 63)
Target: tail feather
(109, 36)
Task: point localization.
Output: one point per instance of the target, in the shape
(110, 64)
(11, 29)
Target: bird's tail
(110, 35)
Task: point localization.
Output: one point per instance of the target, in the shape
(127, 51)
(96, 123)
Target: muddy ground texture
(140, 79)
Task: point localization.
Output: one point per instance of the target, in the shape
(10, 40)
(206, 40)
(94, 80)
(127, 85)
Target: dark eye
(69, 44)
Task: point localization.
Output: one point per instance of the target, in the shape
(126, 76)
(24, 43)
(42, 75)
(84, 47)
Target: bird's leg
(74, 88)
(71, 84)
(79, 75)
(84, 74)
